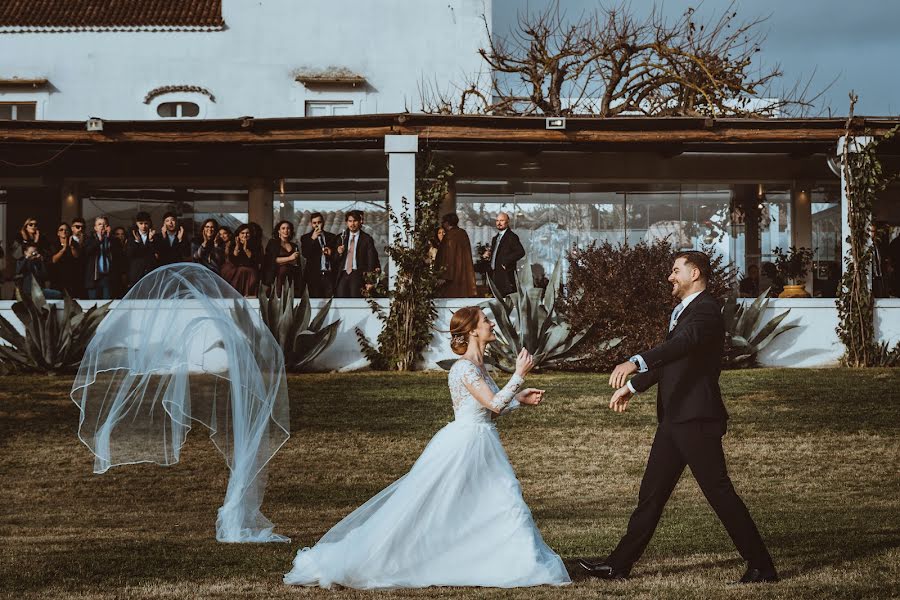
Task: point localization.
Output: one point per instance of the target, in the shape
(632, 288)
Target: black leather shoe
(601, 570)
(758, 576)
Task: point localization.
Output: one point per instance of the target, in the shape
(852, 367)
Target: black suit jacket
(508, 254)
(366, 254)
(169, 252)
(141, 258)
(311, 250)
(90, 253)
(686, 366)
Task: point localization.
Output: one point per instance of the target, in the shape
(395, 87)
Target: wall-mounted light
(94, 124)
(555, 123)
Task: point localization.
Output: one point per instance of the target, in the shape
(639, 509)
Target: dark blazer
(169, 252)
(366, 254)
(686, 366)
(141, 258)
(90, 252)
(312, 251)
(508, 254)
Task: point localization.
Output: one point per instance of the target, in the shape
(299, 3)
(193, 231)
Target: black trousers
(349, 285)
(698, 445)
(320, 284)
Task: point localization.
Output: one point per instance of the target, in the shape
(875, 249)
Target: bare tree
(610, 62)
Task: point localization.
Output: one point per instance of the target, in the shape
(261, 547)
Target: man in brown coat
(454, 260)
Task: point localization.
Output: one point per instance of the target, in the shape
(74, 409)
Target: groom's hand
(620, 374)
(620, 398)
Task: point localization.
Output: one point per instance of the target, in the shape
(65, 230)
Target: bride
(458, 517)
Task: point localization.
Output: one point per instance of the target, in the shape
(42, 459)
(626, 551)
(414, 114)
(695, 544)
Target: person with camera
(31, 270)
(319, 247)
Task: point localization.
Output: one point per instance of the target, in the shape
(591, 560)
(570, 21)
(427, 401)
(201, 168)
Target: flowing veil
(183, 346)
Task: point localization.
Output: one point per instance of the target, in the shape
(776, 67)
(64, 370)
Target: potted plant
(793, 266)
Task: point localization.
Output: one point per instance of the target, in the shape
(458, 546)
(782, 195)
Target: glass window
(295, 200)
(18, 111)
(193, 206)
(826, 239)
(178, 110)
(318, 108)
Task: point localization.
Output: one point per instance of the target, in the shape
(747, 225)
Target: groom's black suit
(692, 421)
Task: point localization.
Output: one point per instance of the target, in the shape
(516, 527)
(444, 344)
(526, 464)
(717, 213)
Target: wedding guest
(506, 250)
(357, 257)
(171, 244)
(224, 237)
(78, 230)
(434, 242)
(282, 259)
(245, 262)
(256, 242)
(31, 270)
(102, 261)
(141, 248)
(120, 282)
(319, 249)
(454, 260)
(28, 234)
(205, 250)
(65, 253)
(749, 285)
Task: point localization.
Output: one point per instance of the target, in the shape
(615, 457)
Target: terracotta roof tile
(72, 15)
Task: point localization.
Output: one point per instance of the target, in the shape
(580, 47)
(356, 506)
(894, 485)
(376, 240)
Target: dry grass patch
(813, 452)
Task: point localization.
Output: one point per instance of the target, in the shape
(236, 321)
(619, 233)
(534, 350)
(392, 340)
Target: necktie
(323, 263)
(103, 264)
(350, 251)
(675, 313)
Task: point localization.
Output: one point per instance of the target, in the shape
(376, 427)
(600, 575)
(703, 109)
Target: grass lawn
(814, 453)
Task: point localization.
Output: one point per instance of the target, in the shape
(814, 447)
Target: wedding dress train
(457, 518)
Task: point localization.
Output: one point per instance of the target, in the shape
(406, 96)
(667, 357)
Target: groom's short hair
(698, 260)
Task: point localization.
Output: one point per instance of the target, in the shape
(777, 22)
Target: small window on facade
(177, 110)
(18, 111)
(317, 108)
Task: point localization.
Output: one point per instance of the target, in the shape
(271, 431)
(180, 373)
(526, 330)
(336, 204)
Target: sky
(853, 43)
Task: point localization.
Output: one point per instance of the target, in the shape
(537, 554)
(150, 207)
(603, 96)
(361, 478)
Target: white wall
(250, 66)
(813, 344)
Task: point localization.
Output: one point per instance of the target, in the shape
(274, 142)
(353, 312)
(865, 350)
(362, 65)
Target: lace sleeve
(505, 398)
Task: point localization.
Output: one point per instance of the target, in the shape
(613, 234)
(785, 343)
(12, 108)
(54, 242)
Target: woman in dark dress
(205, 249)
(224, 238)
(63, 265)
(282, 262)
(245, 262)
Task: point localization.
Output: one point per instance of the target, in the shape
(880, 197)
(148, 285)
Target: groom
(692, 421)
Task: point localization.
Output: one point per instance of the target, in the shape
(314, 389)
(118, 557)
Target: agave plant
(54, 340)
(528, 319)
(745, 333)
(301, 338)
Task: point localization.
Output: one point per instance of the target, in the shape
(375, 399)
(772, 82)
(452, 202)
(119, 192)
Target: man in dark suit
(102, 261)
(171, 244)
(141, 248)
(357, 256)
(506, 250)
(692, 421)
(319, 247)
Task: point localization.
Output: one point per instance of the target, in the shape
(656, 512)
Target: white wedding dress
(456, 519)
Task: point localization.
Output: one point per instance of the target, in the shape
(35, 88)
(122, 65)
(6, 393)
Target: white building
(67, 60)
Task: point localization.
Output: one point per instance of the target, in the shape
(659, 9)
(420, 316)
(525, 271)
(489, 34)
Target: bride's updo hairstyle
(463, 321)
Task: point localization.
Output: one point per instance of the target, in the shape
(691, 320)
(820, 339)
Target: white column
(401, 151)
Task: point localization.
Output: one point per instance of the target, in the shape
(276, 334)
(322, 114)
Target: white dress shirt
(496, 247)
(638, 359)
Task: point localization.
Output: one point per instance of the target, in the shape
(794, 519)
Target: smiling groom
(692, 421)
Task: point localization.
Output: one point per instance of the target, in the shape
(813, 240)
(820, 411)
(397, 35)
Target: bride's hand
(524, 363)
(531, 396)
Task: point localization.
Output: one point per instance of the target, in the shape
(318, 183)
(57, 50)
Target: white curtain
(184, 346)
